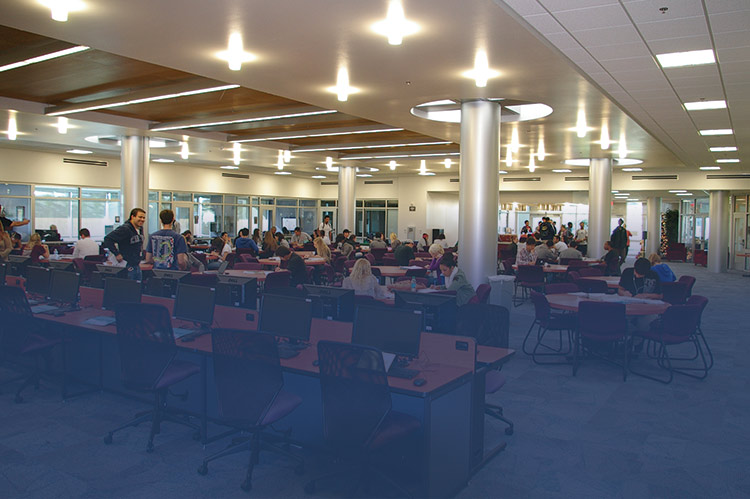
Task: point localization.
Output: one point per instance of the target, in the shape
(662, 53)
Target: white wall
(442, 213)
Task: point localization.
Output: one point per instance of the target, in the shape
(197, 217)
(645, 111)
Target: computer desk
(449, 405)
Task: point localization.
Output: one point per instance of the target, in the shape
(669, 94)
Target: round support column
(653, 225)
(347, 182)
(134, 171)
(718, 232)
(478, 190)
(600, 205)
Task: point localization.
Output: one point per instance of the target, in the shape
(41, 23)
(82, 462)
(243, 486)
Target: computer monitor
(439, 310)
(286, 316)
(195, 303)
(112, 271)
(18, 264)
(393, 330)
(37, 280)
(164, 282)
(120, 291)
(331, 303)
(58, 265)
(237, 291)
(64, 286)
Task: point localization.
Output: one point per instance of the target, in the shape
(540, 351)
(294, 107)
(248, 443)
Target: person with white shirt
(559, 244)
(325, 228)
(85, 246)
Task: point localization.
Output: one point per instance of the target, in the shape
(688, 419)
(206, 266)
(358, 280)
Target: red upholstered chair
(544, 321)
(528, 277)
(278, 279)
(591, 285)
(675, 293)
(690, 281)
(482, 294)
(601, 323)
(246, 257)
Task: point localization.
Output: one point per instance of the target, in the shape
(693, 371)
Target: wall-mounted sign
(412, 207)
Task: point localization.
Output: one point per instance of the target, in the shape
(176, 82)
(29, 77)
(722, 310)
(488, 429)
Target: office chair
(482, 294)
(278, 279)
(601, 323)
(675, 293)
(416, 272)
(527, 277)
(358, 420)
(378, 254)
(690, 281)
(544, 321)
(591, 285)
(147, 364)
(22, 336)
(701, 302)
(249, 387)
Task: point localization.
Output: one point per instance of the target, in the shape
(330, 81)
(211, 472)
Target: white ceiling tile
(607, 16)
(693, 94)
(692, 71)
(733, 55)
(630, 64)
(731, 21)
(523, 7)
(648, 10)
(560, 5)
(621, 51)
(682, 44)
(607, 36)
(544, 23)
(732, 39)
(719, 6)
(562, 41)
(677, 28)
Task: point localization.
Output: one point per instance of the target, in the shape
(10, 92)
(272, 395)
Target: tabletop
(633, 306)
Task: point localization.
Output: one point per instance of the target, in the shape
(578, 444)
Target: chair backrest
(560, 288)
(419, 263)
(355, 393)
(247, 374)
(278, 279)
(245, 252)
(16, 319)
(675, 293)
(95, 258)
(690, 281)
(591, 285)
(370, 258)
(680, 321)
(699, 301)
(530, 273)
(573, 275)
(79, 266)
(590, 271)
(376, 272)
(488, 324)
(248, 266)
(482, 294)
(146, 343)
(246, 257)
(378, 253)
(416, 272)
(508, 266)
(602, 320)
(348, 264)
(329, 275)
(575, 262)
(389, 260)
(339, 264)
(230, 258)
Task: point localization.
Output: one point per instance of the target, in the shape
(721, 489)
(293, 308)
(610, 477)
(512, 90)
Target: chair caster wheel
(509, 431)
(310, 488)
(203, 470)
(197, 435)
(299, 469)
(18, 399)
(247, 486)
(108, 439)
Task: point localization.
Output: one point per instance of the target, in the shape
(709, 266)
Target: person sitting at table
(424, 243)
(294, 264)
(436, 252)
(322, 249)
(513, 246)
(344, 245)
(640, 281)
(662, 269)
(571, 252)
(363, 282)
(299, 238)
(378, 242)
(404, 253)
(394, 241)
(244, 241)
(612, 260)
(455, 280)
(281, 240)
(52, 234)
(6, 245)
(526, 253)
(257, 238)
(219, 251)
(17, 242)
(188, 238)
(559, 244)
(545, 252)
(269, 244)
(35, 249)
(85, 246)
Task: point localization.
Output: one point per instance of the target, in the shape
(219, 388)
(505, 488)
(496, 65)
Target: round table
(569, 302)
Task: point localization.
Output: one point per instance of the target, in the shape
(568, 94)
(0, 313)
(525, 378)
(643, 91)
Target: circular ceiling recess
(449, 110)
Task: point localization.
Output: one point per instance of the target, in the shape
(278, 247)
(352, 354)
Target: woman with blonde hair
(35, 249)
(662, 269)
(6, 245)
(363, 282)
(269, 242)
(322, 249)
(436, 252)
(394, 241)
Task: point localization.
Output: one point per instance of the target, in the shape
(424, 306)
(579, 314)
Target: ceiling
(142, 48)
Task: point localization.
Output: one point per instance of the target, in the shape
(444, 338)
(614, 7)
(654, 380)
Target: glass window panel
(308, 221)
(166, 196)
(331, 212)
(392, 222)
(688, 207)
(242, 217)
(374, 222)
(230, 222)
(153, 196)
(243, 200)
(254, 223)
(267, 219)
(308, 202)
(702, 205)
(286, 202)
(209, 220)
(183, 216)
(99, 217)
(100, 194)
(53, 191)
(165, 206)
(208, 198)
(377, 203)
(266, 201)
(286, 218)
(358, 223)
(230, 199)
(183, 196)
(328, 202)
(392, 203)
(358, 203)
(152, 217)
(254, 200)
(18, 209)
(60, 212)
(15, 190)
(740, 204)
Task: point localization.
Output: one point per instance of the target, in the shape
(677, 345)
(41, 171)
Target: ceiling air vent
(89, 162)
(521, 179)
(576, 179)
(654, 177)
(375, 182)
(235, 175)
(454, 180)
(329, 183)
(732, 176)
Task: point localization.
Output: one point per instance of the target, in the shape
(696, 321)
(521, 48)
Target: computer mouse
(419, 381)
(316, 362)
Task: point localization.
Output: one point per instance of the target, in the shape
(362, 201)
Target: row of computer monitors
(196, 303)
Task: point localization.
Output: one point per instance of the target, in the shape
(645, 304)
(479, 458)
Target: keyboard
(102, 320)
(38, 309)
(402, 372)
(288, 353)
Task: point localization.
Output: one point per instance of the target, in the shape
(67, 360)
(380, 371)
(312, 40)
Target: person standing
(527, 229)
(619, 240)
(166, 248)
(546, 230)
(126, 242)
(8, 224)
(326, 229)
(6, 245)
(85, 246)
(582, 238)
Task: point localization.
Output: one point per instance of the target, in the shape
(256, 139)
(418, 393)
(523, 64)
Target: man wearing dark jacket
(294, 264)
(619, 240)
(126, 242)
(546, 230)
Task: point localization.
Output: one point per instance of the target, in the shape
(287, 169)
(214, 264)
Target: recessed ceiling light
(577, 162)
(60, 9)
(375, 146)
(633, 200)
(719, 131)
(614, 192)
(243, 120)
(342, 89)
(722, 149)
(235, 55)
(282, 172)
(690, 58)
(677, 190)
(81, 151)
(705, 104)
(318, 176)
(229, 167)
(12, 126)
(390, 156)
(632, 169)
(62, 125)
(562, 170)
(684, 193)
(502, 172)
(395, 26)
(728, 160)
(710, 168)
(426, 174)
(481, 71)
(163, 160)
(617, 161)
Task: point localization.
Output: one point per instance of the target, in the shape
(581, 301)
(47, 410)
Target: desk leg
(204, 399)
(478, 455)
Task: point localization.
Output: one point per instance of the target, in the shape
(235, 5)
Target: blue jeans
(134, 273)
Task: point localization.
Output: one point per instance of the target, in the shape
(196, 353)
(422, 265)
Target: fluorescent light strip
(162, 160)
(722, 149)
(720, 131)
(684, 193)
(80, 151)
(247, 120)
(710, 168)
(313, 135)
(145, 99)
(677, 190)
(706, 104)
(563, 170)
(632, 169)
(691, 58)
(393, 156)
(732, 160)
(377, 146)
(45, 57)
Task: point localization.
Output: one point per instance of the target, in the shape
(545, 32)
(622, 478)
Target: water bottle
(56, 255)
(413, 284)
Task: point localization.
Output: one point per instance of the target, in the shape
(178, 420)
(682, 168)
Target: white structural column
(478, 189)
(347, 181)
(134, 169)
(600, 205)
(718, 233)
(653, 225)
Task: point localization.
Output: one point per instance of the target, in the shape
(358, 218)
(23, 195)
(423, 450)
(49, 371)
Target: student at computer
(35, 249)
(6, 245)
(167, 249)
(455, 280)
(363, 282)
(294, 264)
(85, 246)
(126, 242)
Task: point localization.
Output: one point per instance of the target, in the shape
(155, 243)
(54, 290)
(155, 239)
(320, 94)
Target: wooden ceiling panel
(273, 128)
